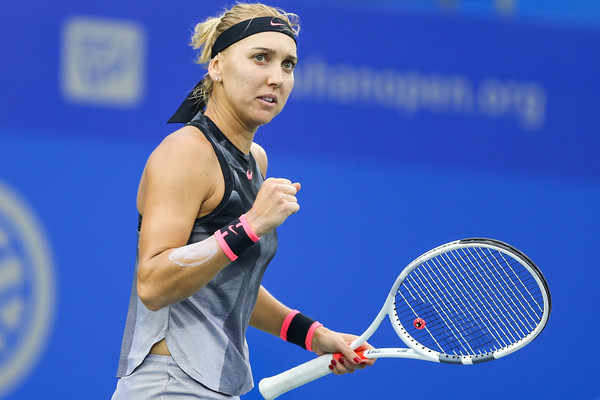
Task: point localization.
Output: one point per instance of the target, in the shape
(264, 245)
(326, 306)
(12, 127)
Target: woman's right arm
(181, 177)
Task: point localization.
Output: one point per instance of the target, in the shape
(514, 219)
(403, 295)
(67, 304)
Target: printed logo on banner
(103, 61)
(412, 92)
(26, 290)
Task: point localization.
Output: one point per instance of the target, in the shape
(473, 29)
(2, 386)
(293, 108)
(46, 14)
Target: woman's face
(257, 76)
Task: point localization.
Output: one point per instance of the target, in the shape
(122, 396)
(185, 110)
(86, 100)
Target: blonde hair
(206, 33)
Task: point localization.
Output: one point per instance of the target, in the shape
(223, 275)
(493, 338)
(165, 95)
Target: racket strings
(444, 317)
(451, 328)
(494, 299)
(467, 322)
(492, 303)
(473, 300)
(509, 296)
(527, 309)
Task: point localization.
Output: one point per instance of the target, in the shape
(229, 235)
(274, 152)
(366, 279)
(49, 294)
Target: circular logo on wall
(26, 290)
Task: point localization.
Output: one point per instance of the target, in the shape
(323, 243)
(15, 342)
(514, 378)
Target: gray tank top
(206, 332)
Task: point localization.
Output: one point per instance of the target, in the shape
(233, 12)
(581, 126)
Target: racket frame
(425, 353)
(276, 385)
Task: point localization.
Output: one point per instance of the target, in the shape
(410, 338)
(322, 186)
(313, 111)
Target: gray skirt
(160, 378)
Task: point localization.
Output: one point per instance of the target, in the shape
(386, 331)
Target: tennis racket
(465, 302)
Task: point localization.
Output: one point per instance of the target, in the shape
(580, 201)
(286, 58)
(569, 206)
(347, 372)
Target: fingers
(364, 347)
(281, 185)
(342, 364)
(348, 361)
(344, 360)
(284, 185)
(288, 200)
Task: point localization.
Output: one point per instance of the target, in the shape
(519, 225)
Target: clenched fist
(276, 200)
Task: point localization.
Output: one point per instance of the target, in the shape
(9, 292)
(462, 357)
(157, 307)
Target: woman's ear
(214, 68)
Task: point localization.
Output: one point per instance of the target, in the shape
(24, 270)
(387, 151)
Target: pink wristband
(248, 228)
(286, 324)
(236, 237)
(223, 244)
(310, 333)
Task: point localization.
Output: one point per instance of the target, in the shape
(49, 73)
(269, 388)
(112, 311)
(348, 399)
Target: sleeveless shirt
(205, 333)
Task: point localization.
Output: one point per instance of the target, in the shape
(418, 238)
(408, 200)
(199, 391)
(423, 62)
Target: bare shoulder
(185, 146)
(260, 155)
(183, 166)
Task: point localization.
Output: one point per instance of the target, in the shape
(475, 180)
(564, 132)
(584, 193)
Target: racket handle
(277, 385)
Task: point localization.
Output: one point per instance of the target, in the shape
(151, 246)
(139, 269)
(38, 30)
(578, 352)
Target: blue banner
(406, 130)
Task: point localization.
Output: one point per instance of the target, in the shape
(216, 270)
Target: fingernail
(363, 363)
(342, 360)
(333, 362)
(331, 367)
(356, 360)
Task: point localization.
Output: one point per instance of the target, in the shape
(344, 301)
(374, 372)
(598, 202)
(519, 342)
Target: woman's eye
(260, 58)
(288, 65)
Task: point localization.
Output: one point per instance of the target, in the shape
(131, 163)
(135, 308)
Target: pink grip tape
(286, 324)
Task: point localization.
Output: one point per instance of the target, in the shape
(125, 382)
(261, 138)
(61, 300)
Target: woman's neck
(240, 135)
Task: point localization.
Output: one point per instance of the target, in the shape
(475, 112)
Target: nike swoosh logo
(276, 24)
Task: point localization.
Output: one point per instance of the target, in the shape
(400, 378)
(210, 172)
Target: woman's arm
(269, 314)
(183, 180)
(176, 184)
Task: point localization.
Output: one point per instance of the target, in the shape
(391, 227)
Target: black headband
(250, 27)
(192, 105)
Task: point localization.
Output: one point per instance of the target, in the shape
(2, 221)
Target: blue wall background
(413, 122)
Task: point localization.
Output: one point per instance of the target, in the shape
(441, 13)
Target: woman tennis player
(207, 224)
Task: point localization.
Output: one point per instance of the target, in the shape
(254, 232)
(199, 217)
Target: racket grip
(277, 385)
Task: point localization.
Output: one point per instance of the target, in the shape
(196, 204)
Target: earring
(217, 78)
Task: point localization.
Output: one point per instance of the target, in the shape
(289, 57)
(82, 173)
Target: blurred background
(413, 123)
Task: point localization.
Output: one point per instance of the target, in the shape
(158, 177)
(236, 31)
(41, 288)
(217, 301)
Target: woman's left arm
(269, 315)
